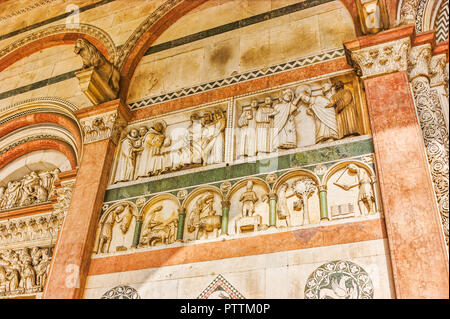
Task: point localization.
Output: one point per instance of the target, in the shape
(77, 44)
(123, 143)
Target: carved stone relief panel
(297, 199)
(182, 140)
(249, 206)
(203, 214)
(23, 231)
(296, 116)
(159, 221)
(24, 270)
(33, 188)
(339, 279)
(351, 190)
(115, 228)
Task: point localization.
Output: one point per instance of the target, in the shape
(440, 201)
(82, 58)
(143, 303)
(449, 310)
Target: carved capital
(438, 70)
(102, 126)
(382, 58)
(418, 61)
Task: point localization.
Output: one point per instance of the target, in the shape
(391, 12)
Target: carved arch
(293, 173)
(198, 191)
(336, 167)
(57, 35)
(39, 124)
(243, 182)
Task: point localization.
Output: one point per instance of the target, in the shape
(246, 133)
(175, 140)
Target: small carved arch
(336, 167)
(199, 191)
(105, 229)
(294, 173)
(353, 194)
(156, 199)
(243, 182)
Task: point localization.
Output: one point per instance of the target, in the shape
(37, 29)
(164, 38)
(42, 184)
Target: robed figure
(346, 113)
(127, 157)
(247, 131)
(284, 132)
(153, 160)
(323, 112)
(264, 116)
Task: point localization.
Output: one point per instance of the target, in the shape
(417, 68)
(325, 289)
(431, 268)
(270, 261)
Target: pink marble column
(417, 248)
(73, 250)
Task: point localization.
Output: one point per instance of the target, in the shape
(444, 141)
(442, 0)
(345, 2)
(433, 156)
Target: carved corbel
(99, 79)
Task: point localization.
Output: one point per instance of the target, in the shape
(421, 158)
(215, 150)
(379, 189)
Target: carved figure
(284, 131)
(324, 115)
(92, 57)
(195, 134)
(247, 131)
(346, 113)
(153, 159)
(264, 118)
(203, 218)
(248, 199)
(120, 214)
(283, 211)
(212, 137)
(127, 157)
(159, 231)
(366, 197)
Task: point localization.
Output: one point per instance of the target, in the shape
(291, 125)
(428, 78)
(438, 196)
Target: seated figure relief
(151, 151)
(32, 189)
(159, 230)
(203, 219)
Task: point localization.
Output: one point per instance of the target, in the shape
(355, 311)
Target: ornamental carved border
(432, 123)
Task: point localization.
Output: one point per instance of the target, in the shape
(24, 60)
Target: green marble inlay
(297, 160)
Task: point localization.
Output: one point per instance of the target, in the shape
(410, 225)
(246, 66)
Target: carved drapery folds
(431, 119)
(24, 270)
(160, 148)
(99, 79)
(103, 126)
(33, 188)
(381, 59)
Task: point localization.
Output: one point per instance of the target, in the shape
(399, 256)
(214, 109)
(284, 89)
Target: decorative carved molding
(103, 126)
(24, 270)
(381, 59)
(438, 70)
(408, 12)
(434, 130)
(22, 232)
